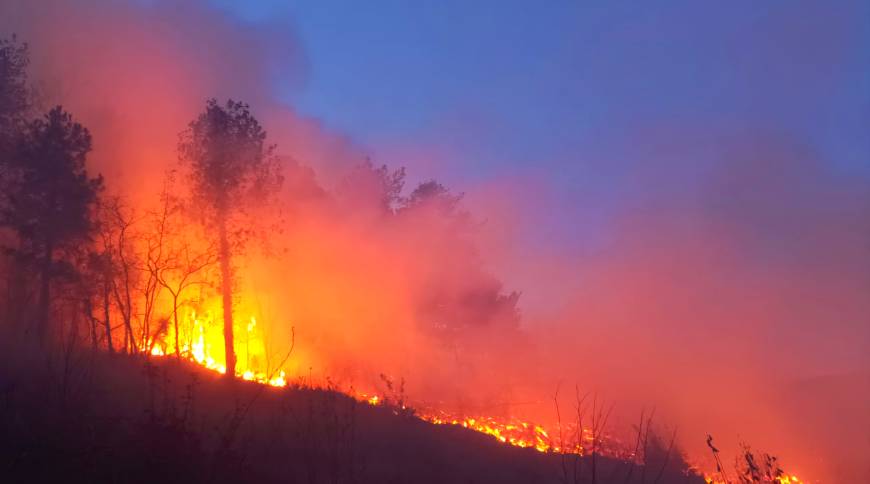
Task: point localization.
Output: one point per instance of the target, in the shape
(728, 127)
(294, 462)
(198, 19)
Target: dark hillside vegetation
(84, 416)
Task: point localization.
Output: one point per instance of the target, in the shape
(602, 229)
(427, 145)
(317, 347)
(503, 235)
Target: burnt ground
(82, 416)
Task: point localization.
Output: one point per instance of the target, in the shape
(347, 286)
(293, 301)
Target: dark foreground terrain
(80, 416)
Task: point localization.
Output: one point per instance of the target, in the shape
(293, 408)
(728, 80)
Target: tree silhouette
(232, 171)
(434, 198)
(377, 188)
(49, 197)
(98, 274)
(479, 300)
(118, 262)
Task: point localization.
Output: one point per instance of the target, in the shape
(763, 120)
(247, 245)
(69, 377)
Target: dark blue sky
(553, 78)
(599, 101)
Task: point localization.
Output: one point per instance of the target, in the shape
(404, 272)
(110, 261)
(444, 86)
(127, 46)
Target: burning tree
(231, 169)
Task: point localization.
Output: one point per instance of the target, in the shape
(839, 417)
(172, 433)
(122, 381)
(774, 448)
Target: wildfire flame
(201, 341)
(784, 479)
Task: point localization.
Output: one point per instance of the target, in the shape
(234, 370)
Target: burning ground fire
(201, 341)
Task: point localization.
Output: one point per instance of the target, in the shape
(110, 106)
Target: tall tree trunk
(126, 345)
(44, 292)
(125, 305)
(128, 314)
(89, 313)
(106, 319)
(227, 290)
(175, 322)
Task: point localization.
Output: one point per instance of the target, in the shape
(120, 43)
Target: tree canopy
(48, 195)
(48, 191)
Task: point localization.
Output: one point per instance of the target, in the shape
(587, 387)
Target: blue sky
(592, 98)
(557, 76)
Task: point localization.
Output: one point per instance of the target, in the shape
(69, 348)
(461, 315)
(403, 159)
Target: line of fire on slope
(201, 340)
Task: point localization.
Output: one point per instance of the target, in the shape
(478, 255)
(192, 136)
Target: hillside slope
(85, 416)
